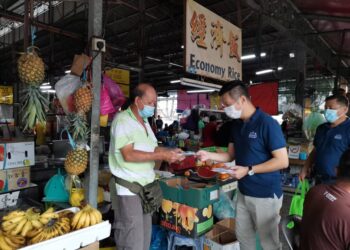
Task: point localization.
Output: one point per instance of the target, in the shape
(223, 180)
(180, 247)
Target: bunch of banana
(54, 228)
(86, 217)
(10, 242)
(21, 222)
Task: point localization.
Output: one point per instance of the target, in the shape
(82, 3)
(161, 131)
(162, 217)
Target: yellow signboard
(6, 95)
(120, 76)
(125, 89)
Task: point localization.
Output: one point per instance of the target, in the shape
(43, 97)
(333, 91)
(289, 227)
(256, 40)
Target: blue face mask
(331, 115)
(147, 111)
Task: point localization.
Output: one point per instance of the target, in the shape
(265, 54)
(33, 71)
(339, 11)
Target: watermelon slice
(206, 173)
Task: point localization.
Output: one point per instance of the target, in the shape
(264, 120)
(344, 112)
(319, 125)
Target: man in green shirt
(132, 155)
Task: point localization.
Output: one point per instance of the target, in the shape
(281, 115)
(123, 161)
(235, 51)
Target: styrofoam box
(17, 154)
(76, 239)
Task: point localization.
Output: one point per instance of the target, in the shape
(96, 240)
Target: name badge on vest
(253, 135)
(338, 137)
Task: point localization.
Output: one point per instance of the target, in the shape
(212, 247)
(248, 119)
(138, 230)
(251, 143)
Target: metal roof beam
(285, 17)
(326, 17)
(19, 18)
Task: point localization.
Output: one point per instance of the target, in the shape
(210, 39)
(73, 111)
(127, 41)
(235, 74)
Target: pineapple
(31, 68)
(34, 106)
(76, 161)
(83, 99)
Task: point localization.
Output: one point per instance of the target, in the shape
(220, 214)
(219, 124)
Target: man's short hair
(344, 166)
(138, 91)
(235, 88)
(340, 99)
(339, 91)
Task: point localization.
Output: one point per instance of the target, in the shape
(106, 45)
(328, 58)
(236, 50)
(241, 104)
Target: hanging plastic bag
(114, 91)
(224, 208)
(311, 123)
(106, 106)
(297, 204)
(103, 121)
(65, 89)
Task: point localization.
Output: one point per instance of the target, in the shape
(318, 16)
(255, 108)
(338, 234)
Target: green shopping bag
(297, 204)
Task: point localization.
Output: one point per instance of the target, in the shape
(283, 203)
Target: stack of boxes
(187, 206)
(15, 161)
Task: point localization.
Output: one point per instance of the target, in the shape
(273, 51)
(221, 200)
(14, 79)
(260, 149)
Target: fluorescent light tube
(49, 91)
(153, 59)
(265, 71)
(200, 91)
(252, 56)
(45, 87)
(175, 81)
(199, 84)
(247, 57)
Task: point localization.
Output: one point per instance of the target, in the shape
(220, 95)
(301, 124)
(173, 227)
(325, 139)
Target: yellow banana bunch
(22, 222)
(86, 217)
(54, 228)
(10, 242)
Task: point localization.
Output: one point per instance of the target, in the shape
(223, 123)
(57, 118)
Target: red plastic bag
(106, 106)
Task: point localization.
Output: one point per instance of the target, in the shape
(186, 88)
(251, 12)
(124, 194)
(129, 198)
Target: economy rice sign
(213, 45)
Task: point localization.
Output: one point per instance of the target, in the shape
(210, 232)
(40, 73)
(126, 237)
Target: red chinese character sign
(213, 45)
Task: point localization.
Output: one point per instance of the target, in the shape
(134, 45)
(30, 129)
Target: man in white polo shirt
(132, 155)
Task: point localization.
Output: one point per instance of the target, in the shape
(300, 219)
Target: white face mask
(232, 112)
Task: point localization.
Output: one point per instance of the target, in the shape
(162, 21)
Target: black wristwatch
(250, 171)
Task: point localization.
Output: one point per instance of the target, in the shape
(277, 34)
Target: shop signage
(6, 95)
(213, 45)
(121, 77)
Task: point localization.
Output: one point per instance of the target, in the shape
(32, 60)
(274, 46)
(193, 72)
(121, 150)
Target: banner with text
(213, 45)
(6, 95)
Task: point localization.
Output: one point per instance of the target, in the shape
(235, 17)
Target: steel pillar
(141, 43)
(26, 26)
(95, 29)
(300, 58)
(337, 75)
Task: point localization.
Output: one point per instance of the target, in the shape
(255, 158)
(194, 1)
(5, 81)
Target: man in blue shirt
(258, 146)
(331, 140)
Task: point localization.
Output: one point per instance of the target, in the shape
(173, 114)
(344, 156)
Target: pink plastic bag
(106, 106)
(114, 91)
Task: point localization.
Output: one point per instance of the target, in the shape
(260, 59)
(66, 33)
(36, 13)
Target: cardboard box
(80, 62)
(17, 154)
(17, 178)
(193, 194)
(222, 236)
(8, 199)
(93, 246)
(185, 220)
(3, 187)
